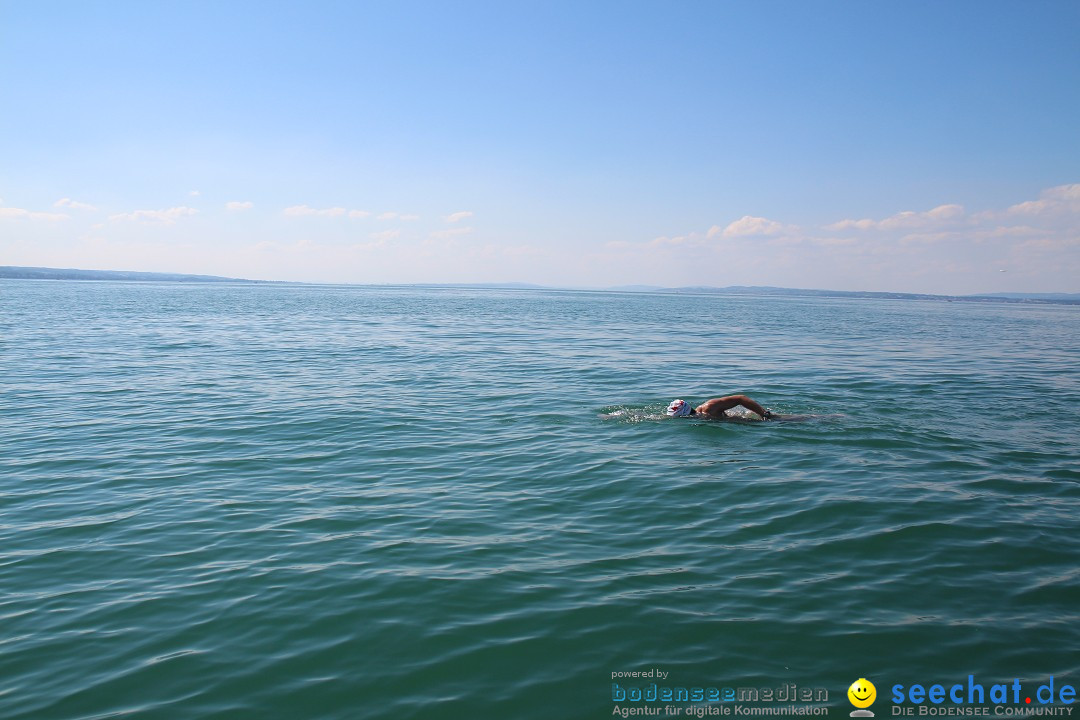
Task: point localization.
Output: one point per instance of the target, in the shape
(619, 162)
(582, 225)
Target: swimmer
(714, 409)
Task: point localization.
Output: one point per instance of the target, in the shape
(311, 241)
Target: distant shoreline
(41, 273)
(10, 272)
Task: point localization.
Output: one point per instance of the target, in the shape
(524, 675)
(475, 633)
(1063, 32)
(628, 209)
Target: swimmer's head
(679, 408)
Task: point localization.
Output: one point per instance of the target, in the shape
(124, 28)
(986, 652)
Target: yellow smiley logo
(862, 693)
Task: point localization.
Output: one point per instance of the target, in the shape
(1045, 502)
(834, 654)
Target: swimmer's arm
(716, 406)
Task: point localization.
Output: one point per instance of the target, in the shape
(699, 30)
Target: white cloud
(368, 246)
(307, 211)
(408, 218)
(905, 219)
(945, 249)
(455, 217)
(237, 205)
(865, 224)
(194, 193)
(833, 241)
(68, 202)
(452, 232)
(1063, 198)
(946, 212)
(387, 216)
(7, 213)
(665, 240)
(747, 226)
(304, 210)
(690, 240)
(908, 219)
(167, 216)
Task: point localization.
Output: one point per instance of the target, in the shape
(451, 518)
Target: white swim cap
(679, 408)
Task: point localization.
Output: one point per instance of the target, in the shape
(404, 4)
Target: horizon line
(15, 272)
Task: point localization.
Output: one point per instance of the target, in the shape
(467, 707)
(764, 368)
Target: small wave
(624, 414)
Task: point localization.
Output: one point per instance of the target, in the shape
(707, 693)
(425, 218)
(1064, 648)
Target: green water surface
(348, 502)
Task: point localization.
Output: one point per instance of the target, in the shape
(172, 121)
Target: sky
(908, 147)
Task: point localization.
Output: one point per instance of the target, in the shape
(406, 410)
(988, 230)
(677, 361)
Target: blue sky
(928, 147)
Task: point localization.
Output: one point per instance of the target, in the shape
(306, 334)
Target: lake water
(274, 501)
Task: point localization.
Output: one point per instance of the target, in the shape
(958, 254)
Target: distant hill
(1056, 298)
(40, 273)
